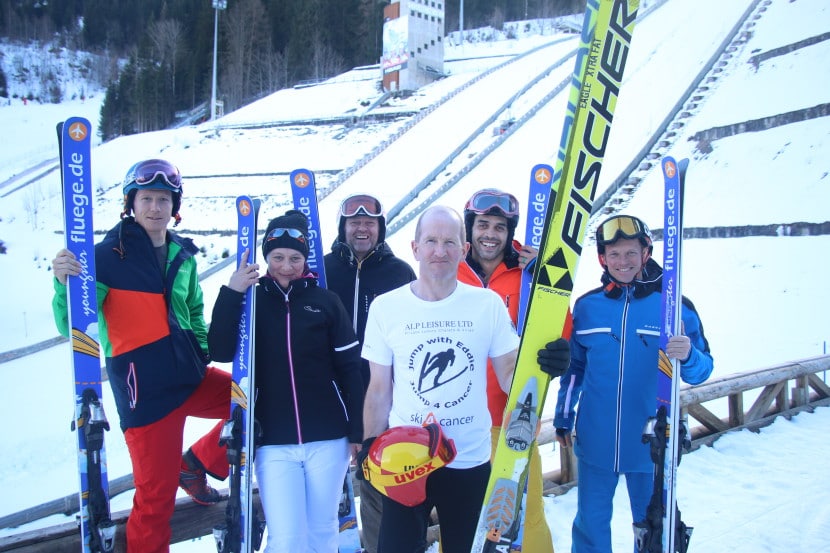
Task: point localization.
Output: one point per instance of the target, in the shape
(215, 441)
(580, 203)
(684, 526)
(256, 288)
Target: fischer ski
(597, 77)
(539, 194)
(243, 528)
(90, 422)
(304, 194)
(662, 531)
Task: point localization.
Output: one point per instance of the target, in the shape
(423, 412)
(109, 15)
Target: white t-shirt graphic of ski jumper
(438, 351)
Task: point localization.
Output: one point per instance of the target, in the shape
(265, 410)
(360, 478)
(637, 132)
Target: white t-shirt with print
(438, 351)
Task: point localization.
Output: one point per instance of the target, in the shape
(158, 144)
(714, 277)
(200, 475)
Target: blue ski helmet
(153, 174)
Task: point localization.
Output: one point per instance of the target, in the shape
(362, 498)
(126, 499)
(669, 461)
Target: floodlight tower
(217, 5)
(461, 22)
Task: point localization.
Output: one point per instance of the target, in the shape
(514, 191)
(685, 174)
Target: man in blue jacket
(613, 378)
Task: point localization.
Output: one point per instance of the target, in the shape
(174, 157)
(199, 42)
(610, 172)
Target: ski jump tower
(413, 43)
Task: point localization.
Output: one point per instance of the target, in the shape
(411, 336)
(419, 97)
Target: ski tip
(244, 206)
(541, 174)
(74, 120)
(302, 178)
(672, 167)
(76, 129)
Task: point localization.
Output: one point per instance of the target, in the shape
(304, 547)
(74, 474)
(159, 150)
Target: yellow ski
(601, 58)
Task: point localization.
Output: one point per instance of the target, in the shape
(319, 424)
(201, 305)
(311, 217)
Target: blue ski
(304, 192)
(243, 529)
(662, 531)
(668, 384)
(539, 195)
(90, 422)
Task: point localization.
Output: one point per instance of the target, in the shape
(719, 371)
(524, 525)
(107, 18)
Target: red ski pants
(156, 455)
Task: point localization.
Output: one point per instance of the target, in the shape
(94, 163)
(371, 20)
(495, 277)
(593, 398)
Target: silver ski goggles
(361, 204)
(148, 171)
(280, 231)
(484, 201)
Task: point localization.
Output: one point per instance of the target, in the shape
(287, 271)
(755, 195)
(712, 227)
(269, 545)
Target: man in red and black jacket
(154, 337)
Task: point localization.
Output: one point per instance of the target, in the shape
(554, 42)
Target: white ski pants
(300, 487)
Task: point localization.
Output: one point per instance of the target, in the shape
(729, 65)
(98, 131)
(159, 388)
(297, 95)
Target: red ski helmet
(401, 459)
(492, 201)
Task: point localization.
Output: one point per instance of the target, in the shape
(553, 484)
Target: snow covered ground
(763, 300)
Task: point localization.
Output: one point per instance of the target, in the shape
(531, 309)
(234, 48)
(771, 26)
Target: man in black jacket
(360, 267)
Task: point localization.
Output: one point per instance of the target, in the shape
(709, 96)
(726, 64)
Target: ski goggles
(361, 204)
(621, 226)
(281, 231)
(147, 172)
(484, 201)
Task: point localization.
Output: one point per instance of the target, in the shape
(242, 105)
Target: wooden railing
(781, 390)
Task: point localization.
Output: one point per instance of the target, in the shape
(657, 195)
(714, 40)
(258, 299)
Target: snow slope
(763, 299)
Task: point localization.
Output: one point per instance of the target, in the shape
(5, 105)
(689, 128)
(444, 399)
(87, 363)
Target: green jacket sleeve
(196, 304)
(60, 307)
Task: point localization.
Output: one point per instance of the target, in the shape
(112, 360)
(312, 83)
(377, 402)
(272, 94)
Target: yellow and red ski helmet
(401, 459)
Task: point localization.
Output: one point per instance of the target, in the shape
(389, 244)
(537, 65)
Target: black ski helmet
(360, 205)
(623, 226)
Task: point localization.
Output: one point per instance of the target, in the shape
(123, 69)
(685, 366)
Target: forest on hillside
(263, 45)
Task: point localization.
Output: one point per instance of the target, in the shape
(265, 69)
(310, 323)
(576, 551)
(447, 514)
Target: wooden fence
(781, 390)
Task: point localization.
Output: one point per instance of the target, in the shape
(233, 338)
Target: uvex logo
(414, 474)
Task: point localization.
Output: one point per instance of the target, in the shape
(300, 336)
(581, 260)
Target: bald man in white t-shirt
(427, 344)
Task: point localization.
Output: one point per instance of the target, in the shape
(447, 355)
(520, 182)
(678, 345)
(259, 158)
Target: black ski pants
(456, 494)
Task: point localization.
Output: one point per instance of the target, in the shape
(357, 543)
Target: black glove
(563, 436)
(555, 358)
(361, 457)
